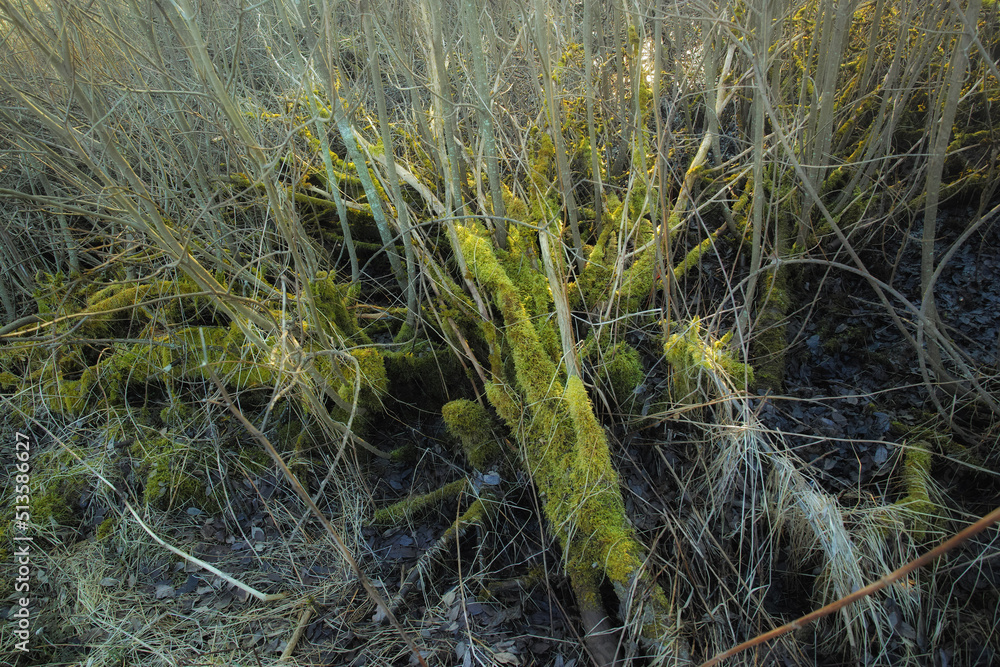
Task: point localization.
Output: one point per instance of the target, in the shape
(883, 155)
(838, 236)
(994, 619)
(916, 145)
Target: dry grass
(145, 141)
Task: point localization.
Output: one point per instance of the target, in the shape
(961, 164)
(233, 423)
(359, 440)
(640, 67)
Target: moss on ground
(170, 470)
(915, 476)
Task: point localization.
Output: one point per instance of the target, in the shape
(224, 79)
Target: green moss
(55, 294)
(405, 454)
(54, 505)
(127, 367)
(9, 381)
(923, 513)
(693, 257)
(469, 422)
(406, 510)
(423, 372)
(700, 363)
(770, 340)
(617, 365)
(332, 302)
(176, 413)
(190, 352)
(57, 482)
(169, 469)
(593, 284)
(109, 311)
(637, 279)
(107, 527)
(565, 449)
(543, 168)
(370, 371)
(64, 396)
(622, 370)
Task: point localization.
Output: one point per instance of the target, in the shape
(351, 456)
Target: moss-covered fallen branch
(566, 453)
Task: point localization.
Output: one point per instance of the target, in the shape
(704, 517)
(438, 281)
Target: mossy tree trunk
(565, 451)
(770, 340)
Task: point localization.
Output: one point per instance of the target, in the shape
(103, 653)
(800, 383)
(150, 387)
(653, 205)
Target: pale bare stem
(555, 270)
(409, 283)
(831, 39)
(595, 157)
(541, 34)
(470, 12)
(327, 64)
(941, 121)
(759, 58)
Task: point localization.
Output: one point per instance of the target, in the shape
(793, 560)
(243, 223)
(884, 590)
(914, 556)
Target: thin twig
(299, 629)
(956, 540)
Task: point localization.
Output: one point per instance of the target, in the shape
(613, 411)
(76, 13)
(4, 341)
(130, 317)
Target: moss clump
(638, 278)
(915, 479)
(632, 248)
(168, 467)
(54, 505)
(55, 294)
(423, 371)
(191, 352)
(64, 396)
(593, 284)
(332, 302)
(57, 482)
(9, 381)
(469, 422)
(695, 358)
(923, 516)
(107, 527)
(370, 371)
(622, 371)
(127, 368)
(405, 454)
(176, 413)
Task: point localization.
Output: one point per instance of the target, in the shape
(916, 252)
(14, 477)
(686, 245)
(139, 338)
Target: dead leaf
(164, 591)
